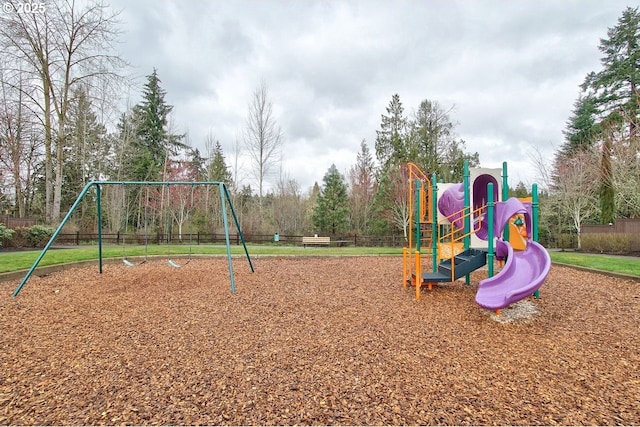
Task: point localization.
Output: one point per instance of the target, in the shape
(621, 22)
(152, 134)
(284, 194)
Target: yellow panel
(444, 250)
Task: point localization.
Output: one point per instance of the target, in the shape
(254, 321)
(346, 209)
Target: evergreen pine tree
(217, 169)
(581, 130)
(86, 154)
(520, 191)
(331, 212)
(362, 185)
(431, 135)
(615, 88)
(198, 164)
(390, 139)
(153, 143)
(87, 149)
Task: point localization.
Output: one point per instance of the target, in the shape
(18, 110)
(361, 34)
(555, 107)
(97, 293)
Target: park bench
(318, 241)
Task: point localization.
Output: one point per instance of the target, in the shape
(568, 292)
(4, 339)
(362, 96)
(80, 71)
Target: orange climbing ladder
(420, 215)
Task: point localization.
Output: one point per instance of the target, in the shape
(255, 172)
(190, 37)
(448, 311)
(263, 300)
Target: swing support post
(99, 210)
(53, 237)
(238, 228)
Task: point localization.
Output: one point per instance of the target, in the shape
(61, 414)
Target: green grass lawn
(612, 263)
(11, 261)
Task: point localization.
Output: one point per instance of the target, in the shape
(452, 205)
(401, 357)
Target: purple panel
(451, 203)
(480, 199)
(505, 210)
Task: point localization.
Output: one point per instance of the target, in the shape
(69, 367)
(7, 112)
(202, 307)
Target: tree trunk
(48, 158)
(57, 187)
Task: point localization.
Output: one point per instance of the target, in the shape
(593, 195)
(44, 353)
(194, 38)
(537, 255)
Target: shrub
(19, 238)
(620, 243)
(606, 243)
(5, 233)
(567, 241)
(39, 235)
(591, 242)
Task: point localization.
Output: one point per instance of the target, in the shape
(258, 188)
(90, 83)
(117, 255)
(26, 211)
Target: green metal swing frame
(224, 196)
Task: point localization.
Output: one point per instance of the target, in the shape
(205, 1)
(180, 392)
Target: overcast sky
(510, 70)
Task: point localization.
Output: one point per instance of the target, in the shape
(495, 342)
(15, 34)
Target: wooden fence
(621, 226)
(13, 223)
(213, 238)
(628, 227)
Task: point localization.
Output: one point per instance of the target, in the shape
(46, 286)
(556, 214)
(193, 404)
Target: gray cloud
(510, 68)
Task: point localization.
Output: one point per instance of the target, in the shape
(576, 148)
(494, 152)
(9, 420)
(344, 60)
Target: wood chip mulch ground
(312, 341)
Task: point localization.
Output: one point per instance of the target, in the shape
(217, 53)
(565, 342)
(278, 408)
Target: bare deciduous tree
(393, 189)
(63, 46)
(576, 186)
(362, 188)
(543, 166)
(262, 136)
(20, 145)
(289, 207)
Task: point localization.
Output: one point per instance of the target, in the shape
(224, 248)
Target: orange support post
(404, 269)
(418, 275)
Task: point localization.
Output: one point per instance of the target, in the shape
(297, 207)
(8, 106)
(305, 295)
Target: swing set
(99, 185)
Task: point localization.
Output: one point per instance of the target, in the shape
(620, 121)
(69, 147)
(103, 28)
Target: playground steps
(465, 263)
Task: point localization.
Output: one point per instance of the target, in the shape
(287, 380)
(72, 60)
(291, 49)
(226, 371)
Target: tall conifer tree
(153, 143)
(331, 212)
(614, 91)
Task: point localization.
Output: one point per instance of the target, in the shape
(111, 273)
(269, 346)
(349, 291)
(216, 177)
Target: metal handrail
(451, 234)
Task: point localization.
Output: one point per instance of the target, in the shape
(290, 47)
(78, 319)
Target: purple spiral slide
(524, 272)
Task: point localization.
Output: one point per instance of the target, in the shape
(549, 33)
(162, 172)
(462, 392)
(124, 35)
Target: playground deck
(312, 341)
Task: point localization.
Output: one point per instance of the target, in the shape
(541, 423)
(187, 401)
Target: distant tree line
(595, 174)
(61, 126)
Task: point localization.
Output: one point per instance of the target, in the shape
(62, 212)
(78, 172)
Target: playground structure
(99, 185)
(469, 225)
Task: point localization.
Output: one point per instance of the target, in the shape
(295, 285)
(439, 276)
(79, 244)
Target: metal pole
(435, 237)
(534, 212)
(534, 222)
(235, 219)
(418, 201)
(467, 217)
(490, 250)
(411, 210)
(467, 203)
(404, 267)
(505, 196)
(418, 275)
(99, 208)
(226, 236)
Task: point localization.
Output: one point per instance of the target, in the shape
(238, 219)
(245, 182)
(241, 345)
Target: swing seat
(174, 264)
(128, 263)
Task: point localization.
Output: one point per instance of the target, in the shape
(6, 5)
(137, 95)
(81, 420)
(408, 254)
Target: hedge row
(618, 243)
(35, 236)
